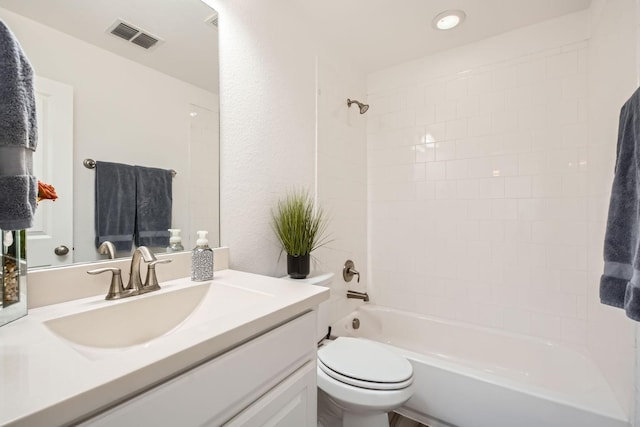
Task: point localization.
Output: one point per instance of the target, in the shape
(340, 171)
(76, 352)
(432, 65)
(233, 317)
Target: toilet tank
(325, 280)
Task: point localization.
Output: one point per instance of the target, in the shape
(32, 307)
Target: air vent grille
(133, 34)
(124, 31)
(144, 40)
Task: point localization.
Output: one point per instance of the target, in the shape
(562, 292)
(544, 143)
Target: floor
(397, 420)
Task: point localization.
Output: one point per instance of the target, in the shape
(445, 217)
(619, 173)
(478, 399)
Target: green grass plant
(299, 224)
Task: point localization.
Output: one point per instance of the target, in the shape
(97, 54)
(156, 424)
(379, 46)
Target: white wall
(267, 111)
(123, 112)
(612, 80)
(268, 57)
(341, 181)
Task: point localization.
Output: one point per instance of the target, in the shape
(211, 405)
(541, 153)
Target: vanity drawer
(214, 392)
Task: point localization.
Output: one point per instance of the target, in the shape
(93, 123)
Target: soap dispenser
(175, 241)
(202, 259)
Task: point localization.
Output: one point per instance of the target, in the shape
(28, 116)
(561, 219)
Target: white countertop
(47, 381)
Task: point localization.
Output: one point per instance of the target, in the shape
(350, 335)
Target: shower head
(363, 107)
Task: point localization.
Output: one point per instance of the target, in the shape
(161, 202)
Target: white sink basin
(140, 319)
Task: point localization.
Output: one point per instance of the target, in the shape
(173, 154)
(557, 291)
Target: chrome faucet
(107, 248)
(135, 281)
(358, 295)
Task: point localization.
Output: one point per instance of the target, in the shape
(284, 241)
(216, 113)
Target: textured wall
(267, 111)
(269, 80)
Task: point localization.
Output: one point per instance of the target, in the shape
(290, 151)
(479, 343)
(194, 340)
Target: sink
(137, 320)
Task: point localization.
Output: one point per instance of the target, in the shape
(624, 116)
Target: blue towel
(620, 283)
(18, 135)
(153, 206)
(115, 210)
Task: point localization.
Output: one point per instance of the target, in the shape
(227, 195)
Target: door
(50, 240)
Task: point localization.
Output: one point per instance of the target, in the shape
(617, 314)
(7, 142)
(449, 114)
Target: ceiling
(190, 48)
(377, 34)
(374, 34)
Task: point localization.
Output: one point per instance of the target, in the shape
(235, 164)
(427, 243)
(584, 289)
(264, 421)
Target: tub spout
(358, 295)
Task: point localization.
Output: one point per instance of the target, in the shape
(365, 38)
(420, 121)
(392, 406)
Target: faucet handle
(348, 271)
(151, 282)
(116, 290)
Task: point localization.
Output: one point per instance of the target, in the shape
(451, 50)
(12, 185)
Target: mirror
(112, 100)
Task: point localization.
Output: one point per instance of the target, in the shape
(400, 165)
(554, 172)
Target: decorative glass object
(14, 276)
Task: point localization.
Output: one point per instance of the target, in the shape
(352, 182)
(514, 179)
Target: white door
(52, 231)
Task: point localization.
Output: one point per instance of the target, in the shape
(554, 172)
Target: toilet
(359, 381)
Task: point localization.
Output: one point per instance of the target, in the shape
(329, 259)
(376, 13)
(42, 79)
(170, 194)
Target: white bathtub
(469, 376)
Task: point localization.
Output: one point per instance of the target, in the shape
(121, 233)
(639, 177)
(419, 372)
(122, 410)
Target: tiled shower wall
(477, 182)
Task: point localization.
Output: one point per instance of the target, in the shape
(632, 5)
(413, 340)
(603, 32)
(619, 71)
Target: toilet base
(330, 414)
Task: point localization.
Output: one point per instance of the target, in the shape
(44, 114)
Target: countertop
(47, 381)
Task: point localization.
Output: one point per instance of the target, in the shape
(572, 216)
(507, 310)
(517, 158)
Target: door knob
(61, 250)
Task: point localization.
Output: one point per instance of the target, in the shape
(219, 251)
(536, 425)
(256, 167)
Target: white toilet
(359, 381)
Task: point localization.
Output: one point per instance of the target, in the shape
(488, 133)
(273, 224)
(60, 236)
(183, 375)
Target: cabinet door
(291, 404)
(216, 391)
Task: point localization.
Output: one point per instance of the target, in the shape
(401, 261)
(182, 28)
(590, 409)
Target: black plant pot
(298, 266)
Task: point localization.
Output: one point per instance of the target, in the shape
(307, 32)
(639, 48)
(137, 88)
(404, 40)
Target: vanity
(239, 350)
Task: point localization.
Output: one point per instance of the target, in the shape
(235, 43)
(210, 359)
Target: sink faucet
(358, 295)
(107, 248)
(135, 281)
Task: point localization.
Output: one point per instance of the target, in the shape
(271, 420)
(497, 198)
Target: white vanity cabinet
(269, 380)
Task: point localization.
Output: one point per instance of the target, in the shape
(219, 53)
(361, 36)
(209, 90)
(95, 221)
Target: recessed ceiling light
(448, 19)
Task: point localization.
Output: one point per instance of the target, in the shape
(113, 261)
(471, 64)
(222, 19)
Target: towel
(115, 209)
(153, 206)
(620, 282)
(18, 135)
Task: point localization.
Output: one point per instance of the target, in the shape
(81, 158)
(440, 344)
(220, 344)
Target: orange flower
(46, 192)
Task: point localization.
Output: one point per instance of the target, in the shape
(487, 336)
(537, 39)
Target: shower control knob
(61, 250)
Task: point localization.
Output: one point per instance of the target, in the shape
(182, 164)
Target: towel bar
(91, 164)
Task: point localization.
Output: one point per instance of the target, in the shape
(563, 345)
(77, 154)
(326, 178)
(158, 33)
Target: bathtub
(468, 376)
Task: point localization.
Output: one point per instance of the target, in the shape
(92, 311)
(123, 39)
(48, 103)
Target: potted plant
(300, 227)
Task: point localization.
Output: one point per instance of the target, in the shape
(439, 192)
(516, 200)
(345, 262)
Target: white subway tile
(446, 190)
(480, 83)
(574, 331)
(562, 65)
(426, 190)
(480, 125)
(479, 209)
(468, 189)
(468, 106)
(491, 188)
(419, 172)
(445, 150)
(518, 187)
(531, 163)
(445, 111)
(456, 89)
(456, 169)
(504, 209)
(425, 153)
(436, 171)
(457, 129)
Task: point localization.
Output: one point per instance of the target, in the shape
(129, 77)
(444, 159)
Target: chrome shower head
(363, 107)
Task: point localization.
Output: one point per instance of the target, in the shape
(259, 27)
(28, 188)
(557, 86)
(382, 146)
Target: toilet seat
(365, 364)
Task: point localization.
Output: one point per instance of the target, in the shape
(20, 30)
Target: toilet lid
(357, 361)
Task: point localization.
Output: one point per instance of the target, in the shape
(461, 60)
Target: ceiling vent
(213, 19)
(133, 34)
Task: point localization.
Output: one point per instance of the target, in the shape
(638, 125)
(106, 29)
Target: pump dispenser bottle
(202, 259)
(175, 241)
